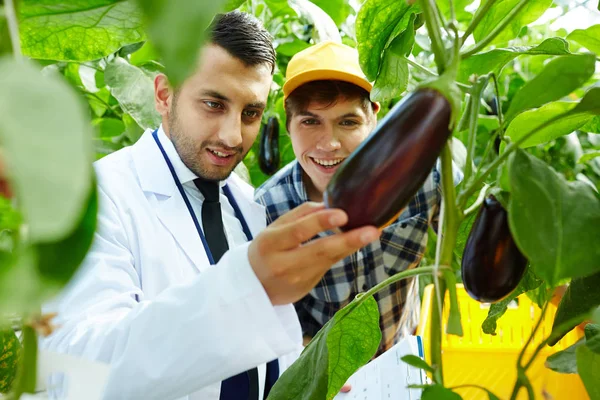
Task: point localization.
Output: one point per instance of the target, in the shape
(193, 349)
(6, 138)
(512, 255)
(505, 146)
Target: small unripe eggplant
(383, 174)
(492, 264)
(268, 156)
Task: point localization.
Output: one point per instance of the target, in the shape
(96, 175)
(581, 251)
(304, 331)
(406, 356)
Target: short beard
(190, 152)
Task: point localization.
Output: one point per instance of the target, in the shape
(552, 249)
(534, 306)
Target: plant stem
(476, 96)
(395, 278)
(111, 108)
(420, 67)
(452, 11)
(13, 28)
(477, 19)
(435, 34)
(471, 187)
(488, 147)
(27, 372)
(498, 103)
(496, 31)
(475, 206)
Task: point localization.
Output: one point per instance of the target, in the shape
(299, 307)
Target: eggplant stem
(476, 96)
(496, 31)
(475, 206)
(13, 29)
(27, 370)
(476, 20)
(433, 27)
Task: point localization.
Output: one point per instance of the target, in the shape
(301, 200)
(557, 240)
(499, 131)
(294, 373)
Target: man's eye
(251, 113)
(212, 104)
(310, 121)
(348, 122)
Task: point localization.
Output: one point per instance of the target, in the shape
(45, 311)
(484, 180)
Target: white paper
(387, 377)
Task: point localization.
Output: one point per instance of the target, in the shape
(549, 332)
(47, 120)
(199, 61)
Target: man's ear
(163, 95)
(376, 107)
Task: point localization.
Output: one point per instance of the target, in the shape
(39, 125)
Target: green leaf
(58, 260)
(495, 60)
(376, 21)
(10, 349)
(177, 30)
(280, 8)
(417, 362)
(566, 120)
(338, 10)
(46, 142)
(565, 361)
(288, 49)
(530, 13)
(134, 90)
(459, 9)
(588, 365)
(392, 79)
(108, 127)
(145, 54)
(588, 38)
(77, 30)
(438, 392)
(555, 223)
(590, 155)
(348, 341)
(560, 77)
(592, 337)
(497, 310)
(233, 4)
(592, 126)
(324, 26)
(580, 299)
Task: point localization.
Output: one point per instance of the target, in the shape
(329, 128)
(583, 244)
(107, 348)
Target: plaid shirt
(400, 247)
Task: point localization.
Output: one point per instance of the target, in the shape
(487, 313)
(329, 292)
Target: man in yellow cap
(329, 113)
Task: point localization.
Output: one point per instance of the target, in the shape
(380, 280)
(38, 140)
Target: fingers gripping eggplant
(382, 175)
(492, 264)
(268, 157)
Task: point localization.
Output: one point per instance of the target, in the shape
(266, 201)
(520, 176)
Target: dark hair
(244, 37)
(326, 92)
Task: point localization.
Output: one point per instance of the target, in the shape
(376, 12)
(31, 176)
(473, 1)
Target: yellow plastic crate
(490, 361)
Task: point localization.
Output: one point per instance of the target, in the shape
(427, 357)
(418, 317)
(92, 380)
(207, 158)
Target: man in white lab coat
(185, 292)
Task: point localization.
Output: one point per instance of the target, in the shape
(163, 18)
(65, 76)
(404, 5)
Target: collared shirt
(232, 225)
(400, 247)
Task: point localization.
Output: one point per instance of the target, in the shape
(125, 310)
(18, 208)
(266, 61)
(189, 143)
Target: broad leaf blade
(134, 90)
(588, 365)
(417, 362)
(338, 10)
(588, 38)
(438, 392)
(348, 341)
(555, 223)
(565, 361)
(592, 337)
(559, 78)
(10, 349)
(47, 145)
(530, 13)
(495, 60)
(77, 30)
(376, 21)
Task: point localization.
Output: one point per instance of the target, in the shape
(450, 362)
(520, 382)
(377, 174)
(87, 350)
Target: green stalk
(498, 103)
(476, 96)
(13, 28)
(488, 39)
(476, 20)
(435, 34)
(27, 372)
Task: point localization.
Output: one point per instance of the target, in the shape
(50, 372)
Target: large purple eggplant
(492, 264)
(382, 175)
(268, 156)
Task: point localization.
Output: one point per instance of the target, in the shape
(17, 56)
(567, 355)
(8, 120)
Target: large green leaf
(497, 310)
(324, 26)
(10, 349)
(588, 38)
(47, 145)
(177, 30)
(392, 79)
(495, 60)
(588, 365)
(555, 223)
(338, 10)
(531, 12)
(348, 341)
(592, 337)
(134, 90)
(376, 21)
(77, 30)
(565, 361)
(439, 392)
(560, 77)
(580, 299)
(459, 9)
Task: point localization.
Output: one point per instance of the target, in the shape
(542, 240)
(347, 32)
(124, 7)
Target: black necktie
(212, 220)
(243, 386)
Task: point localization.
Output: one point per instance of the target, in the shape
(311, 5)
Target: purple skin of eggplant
(383, 174)
(268, 157)
(492, 264)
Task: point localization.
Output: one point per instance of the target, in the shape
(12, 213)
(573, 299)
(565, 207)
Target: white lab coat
(148, 301)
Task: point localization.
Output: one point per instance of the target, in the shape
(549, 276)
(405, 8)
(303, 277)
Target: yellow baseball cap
(327, 60)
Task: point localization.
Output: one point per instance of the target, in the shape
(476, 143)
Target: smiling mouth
(327, 164)
(220, 154)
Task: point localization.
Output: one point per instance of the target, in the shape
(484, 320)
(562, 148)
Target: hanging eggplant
(492, 264)
(268, 156)
(382, 175)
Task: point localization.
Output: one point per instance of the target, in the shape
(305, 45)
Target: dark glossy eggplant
(383, 174)
(492, 264)
(268, 156)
